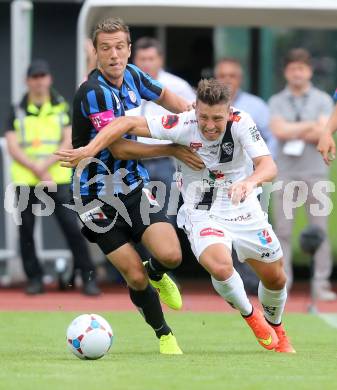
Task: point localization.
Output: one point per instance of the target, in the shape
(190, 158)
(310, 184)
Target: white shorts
(248, 231)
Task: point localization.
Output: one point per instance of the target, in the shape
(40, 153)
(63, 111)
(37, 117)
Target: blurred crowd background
(190, 52)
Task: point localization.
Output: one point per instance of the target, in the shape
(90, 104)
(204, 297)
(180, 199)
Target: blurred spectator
(298, 116)
(91, 58)
(148, 56)
(36, 128)
(229, 71)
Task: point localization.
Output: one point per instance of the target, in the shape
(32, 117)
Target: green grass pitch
(220, 353)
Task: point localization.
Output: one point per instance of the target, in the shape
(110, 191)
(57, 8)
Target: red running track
(198, 296)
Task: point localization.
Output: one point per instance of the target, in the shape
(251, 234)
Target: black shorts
(110, 229)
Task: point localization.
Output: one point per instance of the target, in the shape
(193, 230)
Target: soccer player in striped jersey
(114, 181)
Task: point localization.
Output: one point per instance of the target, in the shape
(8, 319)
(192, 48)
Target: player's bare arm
(109, 134)
(126, 149)
(326, 145)
(265, 171)
(173, 102)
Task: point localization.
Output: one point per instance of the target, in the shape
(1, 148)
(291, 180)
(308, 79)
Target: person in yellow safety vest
(36, 128)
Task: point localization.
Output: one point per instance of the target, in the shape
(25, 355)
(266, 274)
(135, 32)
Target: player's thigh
(162, 241)
(129, 264)
(217, 260)
(206, 233)
(271, 274)
(256, 240)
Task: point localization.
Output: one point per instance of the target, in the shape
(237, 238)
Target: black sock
(155, 269)
(147, 302)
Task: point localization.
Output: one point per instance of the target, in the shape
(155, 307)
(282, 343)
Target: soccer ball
(89, 336)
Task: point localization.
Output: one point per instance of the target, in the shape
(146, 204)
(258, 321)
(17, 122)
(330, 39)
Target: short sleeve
(171, 127)
(250, 137)
(97, 105)
(149, 89)
(326, 105)
(274, 107)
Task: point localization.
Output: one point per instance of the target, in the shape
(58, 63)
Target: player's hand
(188, 156)
(238, 192)
(327, 147)
(71, 157)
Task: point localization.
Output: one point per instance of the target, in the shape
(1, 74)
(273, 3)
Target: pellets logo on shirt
(211, 232)
(169, 121)
(264, 237)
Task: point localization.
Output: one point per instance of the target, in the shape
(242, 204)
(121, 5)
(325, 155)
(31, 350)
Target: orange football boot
(265, 334)
(284, 344)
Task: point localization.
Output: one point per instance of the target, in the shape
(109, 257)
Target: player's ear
(129, 50)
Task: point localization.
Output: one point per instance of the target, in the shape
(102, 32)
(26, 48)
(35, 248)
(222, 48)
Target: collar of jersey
(122, 91)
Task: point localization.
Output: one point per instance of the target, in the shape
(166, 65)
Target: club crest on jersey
(132, 96)
(228, 147)
(211, 232)
(264, 237)
(235, 117)
(169, 121)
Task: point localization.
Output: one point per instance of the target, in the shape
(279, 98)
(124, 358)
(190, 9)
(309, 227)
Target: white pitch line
(329, 318)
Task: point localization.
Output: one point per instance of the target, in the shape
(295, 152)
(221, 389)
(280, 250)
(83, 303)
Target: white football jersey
(227, 160)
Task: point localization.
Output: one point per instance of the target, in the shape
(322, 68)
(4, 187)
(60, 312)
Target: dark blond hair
(211, 92)
(147, 43)
(110, 25)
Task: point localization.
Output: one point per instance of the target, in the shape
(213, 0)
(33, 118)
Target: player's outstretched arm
(124, 149)
(265, 171)
(326, 145)
(109, 134)
(173, 102)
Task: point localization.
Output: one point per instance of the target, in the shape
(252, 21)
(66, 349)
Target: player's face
(298, 74)
(113, 52)
(229, 74)
(39, 85)
(149, 61)
(212, 120)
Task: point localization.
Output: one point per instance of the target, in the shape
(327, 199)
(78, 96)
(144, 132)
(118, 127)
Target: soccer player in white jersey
(220, 208)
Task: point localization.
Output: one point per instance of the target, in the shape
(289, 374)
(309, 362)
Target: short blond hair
(211, 92)
(110, 25)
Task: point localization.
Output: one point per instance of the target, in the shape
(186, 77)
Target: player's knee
(137, 280)
(276, 281)
(171, 258)
(222, 271)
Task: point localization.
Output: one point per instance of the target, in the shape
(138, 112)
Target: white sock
(273, 302)
(233, 291)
